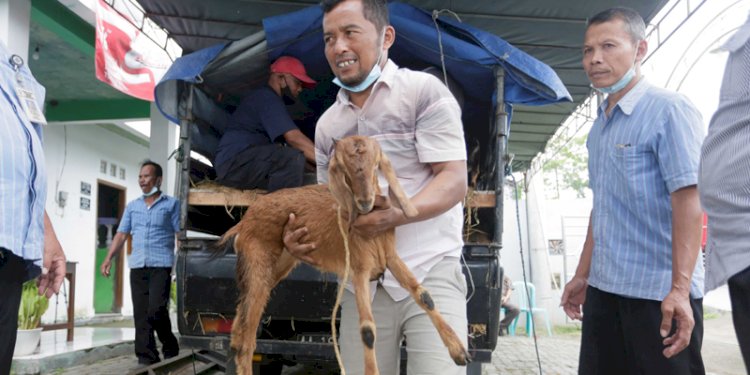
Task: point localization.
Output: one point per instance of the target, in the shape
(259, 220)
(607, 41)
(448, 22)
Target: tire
(273, 368)
(474, 368)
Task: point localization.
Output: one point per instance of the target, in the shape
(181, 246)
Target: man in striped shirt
(725, 187)
(28, 245)
(638, 279)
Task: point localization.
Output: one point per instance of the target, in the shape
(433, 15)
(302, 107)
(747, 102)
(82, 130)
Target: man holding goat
(424, 140)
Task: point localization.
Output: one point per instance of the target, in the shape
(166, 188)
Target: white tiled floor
(54, 342)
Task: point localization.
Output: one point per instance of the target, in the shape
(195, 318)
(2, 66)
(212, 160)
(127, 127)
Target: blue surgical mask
(154, 190)
(619, 85)
(369, 80)
(362, 86)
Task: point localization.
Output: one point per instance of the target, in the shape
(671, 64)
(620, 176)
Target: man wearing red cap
(253, 152)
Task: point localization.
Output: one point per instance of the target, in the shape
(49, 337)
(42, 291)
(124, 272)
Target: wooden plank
(481, 199)
(225, 197)
(241, 198)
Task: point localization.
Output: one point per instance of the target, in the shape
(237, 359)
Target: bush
(32, 306)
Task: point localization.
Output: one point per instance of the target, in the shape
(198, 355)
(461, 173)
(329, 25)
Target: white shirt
(417, 121)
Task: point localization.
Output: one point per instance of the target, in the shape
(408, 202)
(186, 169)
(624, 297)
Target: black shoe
(168, 355)
(147, 361)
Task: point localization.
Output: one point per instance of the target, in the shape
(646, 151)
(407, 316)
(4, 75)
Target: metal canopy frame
(549, 30)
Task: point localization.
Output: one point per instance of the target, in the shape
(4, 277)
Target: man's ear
(642, 50)
(389, 37)
(158, 182)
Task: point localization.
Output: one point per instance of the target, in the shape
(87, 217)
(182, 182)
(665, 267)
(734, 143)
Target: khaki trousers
(405, 320)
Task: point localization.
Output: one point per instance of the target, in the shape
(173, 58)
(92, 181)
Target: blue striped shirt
(647, 148)
(153, 230)
(23, 179)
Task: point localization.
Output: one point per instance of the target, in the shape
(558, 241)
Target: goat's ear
(395, 187)
(341, 192)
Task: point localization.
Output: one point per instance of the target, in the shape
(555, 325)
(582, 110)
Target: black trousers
(739, 293)
(621, 336)
(511, 312)
(12, 275)
(149, 287)
(270, 167)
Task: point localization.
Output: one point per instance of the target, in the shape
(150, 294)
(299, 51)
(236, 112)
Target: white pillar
(15, 17)
(164, 140)
(539, 250)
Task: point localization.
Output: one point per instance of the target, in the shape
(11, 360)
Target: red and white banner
(127, 59)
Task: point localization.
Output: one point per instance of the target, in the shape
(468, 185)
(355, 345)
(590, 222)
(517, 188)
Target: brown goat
(262, 260)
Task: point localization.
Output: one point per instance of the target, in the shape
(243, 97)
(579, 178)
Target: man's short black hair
(375, 11)
(157, 167)
(633, 21)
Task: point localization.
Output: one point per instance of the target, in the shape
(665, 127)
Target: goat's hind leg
(401, 272)
(255, 284)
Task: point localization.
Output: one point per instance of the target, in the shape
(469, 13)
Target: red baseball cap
(291, 65)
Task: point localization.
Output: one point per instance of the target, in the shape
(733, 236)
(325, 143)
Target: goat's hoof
(463, 358)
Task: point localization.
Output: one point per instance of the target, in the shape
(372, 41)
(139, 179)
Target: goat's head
(353, 177)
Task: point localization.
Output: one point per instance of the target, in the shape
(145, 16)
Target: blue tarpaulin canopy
(227, 70)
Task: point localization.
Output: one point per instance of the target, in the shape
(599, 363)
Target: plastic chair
(519, 293)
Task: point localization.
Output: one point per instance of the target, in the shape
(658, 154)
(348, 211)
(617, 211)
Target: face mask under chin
(154, 190)
(620, 84)
(369, 79)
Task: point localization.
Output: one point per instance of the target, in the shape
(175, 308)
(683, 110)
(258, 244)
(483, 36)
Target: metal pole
(526, 183)
(186, 121)
(501, 136)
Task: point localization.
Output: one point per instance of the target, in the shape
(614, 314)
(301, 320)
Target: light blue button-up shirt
(647, 148)
(153, 230)
(23, 179)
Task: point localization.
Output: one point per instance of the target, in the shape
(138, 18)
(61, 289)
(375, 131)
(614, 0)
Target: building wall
(552, 221)
(73, 158)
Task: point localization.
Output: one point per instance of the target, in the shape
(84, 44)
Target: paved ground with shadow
(516, 355)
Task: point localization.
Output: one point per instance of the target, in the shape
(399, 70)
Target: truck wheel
(273, 368)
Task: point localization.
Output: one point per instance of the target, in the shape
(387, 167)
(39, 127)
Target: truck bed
(296, 322)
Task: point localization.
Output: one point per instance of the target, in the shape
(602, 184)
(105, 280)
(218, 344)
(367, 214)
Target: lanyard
(25, 95)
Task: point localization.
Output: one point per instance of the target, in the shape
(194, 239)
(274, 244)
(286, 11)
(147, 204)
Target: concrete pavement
(514, 355)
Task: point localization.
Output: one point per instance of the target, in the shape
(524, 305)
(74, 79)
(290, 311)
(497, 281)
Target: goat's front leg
(367, 327)
(401, 272)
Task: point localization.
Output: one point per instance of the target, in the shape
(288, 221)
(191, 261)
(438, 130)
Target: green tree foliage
(567, 167)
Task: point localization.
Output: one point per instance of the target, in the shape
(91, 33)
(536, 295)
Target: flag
(126, 58)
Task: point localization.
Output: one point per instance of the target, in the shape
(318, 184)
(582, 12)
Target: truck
(199, 92)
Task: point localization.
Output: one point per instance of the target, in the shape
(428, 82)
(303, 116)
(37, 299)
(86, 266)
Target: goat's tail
(226, 243)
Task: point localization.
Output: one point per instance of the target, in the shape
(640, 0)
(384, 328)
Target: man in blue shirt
(638, 278)
(248, 156)
(28, 245)
(152, 220)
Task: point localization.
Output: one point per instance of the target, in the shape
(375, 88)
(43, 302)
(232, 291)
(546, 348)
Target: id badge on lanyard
(25, 95)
